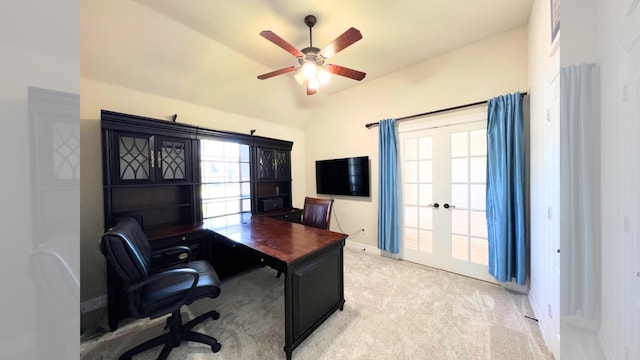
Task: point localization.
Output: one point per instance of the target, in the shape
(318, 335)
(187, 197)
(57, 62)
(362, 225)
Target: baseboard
(363, 247)
(93, 304)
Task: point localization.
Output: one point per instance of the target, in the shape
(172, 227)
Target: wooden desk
(312, 261)
(310, 258)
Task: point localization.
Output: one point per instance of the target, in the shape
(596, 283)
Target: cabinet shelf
(263, 196)
(151, 207)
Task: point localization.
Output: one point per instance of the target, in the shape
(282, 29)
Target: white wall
(96, 96)
(492, 67)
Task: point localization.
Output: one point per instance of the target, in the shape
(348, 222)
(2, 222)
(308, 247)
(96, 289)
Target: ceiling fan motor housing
(311, 54)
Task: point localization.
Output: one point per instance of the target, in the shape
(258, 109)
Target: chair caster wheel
(215, 316)
(215, 348)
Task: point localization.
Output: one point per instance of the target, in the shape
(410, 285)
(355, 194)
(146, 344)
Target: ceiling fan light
(314, 83)
(300, 78)
(323, 76)
(309, 69)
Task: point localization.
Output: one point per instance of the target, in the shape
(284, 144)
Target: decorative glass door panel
(171, 159)
(443, 197)
(265, 165)
(135, 158)
(281, 164)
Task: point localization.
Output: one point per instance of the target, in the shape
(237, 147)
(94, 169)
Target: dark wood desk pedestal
(312, 261)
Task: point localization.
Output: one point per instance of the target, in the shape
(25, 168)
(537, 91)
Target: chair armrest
(177, 249)
(165, 275)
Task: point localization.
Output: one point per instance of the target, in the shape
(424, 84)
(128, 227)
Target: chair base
(177, 333)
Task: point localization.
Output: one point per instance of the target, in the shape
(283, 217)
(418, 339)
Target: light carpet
(394, 310)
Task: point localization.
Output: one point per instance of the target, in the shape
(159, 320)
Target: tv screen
(347, 176)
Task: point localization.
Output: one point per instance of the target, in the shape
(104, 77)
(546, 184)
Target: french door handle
(434, 205)
(447, 206)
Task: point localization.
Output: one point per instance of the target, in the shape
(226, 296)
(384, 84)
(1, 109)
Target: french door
(443, 172)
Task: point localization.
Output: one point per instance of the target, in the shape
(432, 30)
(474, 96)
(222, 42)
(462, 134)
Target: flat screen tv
(346, 176)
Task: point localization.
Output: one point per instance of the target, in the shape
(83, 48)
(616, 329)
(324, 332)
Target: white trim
(364, 247)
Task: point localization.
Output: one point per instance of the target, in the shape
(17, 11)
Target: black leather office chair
(317, 212)
(156, 294)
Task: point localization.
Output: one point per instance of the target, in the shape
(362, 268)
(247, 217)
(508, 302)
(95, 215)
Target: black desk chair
(153, 295)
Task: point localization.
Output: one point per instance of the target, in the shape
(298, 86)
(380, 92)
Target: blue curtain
(505, 189)
(388, 230)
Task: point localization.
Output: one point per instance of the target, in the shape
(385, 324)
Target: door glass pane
(410, 149)
(478, 142)
(410, 238)
(426, 218)
(410, 171)
(459, 247)
(479, 251)
(459, 222)
(426, 172)
(478, 223)
(459, 144)
(478, 196)
(426, 196)
(478, 169)
(459, 170)
(411, 216)
(426, 241)
(411, 194)
(460, 196)
(425, 151)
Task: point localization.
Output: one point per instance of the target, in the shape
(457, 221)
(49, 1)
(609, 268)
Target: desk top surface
(283, 240)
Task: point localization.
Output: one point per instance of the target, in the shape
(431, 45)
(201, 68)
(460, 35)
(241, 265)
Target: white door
(630, 153)
(551, 260)
(443, 172)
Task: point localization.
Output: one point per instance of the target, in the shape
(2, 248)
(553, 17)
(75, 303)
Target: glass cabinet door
(265, 164)
(282, 165)
(144, 159)
(172, 159)
(135, 161)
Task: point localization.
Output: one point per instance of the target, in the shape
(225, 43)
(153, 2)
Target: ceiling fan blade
(346, 72)
(271, 36)
(346, 39)
(277, 72)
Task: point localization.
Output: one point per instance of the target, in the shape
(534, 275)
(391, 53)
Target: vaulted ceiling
(209, 52)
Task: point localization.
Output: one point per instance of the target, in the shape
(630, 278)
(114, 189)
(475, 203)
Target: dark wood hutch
(151, 172)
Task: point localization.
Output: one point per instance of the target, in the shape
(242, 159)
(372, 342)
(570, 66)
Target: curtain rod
(369, 125)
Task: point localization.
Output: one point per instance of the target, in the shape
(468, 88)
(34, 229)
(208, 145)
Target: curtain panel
(388, 218)
(505, 189)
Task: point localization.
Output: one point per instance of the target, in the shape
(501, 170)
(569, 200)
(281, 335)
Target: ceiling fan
(312, 59)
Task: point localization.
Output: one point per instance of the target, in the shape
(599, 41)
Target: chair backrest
(127, 250)
(317, 212)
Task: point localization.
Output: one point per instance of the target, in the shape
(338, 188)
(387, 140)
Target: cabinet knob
(183, 256)
(184, 238)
